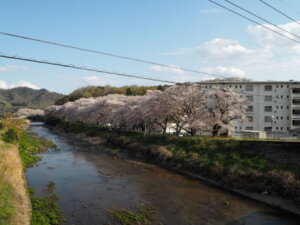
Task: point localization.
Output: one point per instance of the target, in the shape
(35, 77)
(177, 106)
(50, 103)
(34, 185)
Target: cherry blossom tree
(223, 107)
(30, 112)
(186, 107)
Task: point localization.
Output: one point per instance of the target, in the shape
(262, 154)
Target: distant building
(274, 106)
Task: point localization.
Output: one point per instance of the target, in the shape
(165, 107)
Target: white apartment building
(274, 106)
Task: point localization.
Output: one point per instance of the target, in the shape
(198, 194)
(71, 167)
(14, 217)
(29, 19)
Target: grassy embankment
(18, 205)
(224, 161)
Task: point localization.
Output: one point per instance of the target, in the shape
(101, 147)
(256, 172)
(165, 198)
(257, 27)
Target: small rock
(265, 193)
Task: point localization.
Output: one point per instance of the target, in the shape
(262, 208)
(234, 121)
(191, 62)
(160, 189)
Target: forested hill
(97, 91)
(23, 97)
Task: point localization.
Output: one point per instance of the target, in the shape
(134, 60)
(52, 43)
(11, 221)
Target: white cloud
(106, 80)
(4, 85)
(213, 10)
(227, 50)
(92, 80)
(267, 37)
(7, 68)
(167, 69)
(224, 71)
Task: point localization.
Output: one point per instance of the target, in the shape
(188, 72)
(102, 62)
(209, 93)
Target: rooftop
(248, 82)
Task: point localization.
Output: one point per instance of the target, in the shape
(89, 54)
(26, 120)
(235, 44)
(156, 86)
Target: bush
(11, 135)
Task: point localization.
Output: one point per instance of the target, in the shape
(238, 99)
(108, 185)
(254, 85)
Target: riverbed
(90, 182)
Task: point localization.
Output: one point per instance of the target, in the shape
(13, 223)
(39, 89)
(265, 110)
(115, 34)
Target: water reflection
(90, 182)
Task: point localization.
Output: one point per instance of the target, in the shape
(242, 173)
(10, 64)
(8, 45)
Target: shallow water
(90, 182)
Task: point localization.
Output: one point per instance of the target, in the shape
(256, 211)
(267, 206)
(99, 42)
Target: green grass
(144, 215)
(45, 209)
(11, 135)
(7, 209)
(30, 145)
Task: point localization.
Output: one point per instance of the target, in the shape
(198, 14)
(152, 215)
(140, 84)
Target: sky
(194, 34)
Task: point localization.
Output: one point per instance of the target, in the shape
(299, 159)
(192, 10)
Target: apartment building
(274, 106)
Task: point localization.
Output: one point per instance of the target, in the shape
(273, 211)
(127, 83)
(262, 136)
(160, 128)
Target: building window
(281, 97)
(268, 87)
(281, 117)
(281, 86)
(268, 119)
(268, 128)
(249, 87)
(250, 98)
(268, 108)
(268, 98)
(281, 107)
(249, 108)
(240, 86)
(287, 117)
(249, 128)
(287, 107)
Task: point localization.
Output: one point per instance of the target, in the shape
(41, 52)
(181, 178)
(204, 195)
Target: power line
(253, 14)
(111, 55)
(83, 68)
(290, 7)
(247, 18)
(121, 74)
(277, 10)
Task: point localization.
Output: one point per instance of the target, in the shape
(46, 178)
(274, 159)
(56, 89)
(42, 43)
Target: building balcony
(296, 106)
(296, 93)
(296, 117)
(295, 127)
(296, 96)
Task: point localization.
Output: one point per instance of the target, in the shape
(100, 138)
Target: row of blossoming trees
(189, 109)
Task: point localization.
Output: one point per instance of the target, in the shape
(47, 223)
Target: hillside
(23, 97)
(97, 91)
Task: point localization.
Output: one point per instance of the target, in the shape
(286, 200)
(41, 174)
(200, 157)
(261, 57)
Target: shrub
(11, 135)
(160, 152)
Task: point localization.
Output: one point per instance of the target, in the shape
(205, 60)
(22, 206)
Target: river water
(90, 182)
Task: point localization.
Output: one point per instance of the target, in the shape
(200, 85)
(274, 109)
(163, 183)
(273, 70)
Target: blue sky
(193, 34)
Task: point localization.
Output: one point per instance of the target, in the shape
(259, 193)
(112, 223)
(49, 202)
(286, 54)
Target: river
(90, 182)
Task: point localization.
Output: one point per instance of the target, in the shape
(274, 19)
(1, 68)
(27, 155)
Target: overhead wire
(15, 57)
(280, 12)
(253, 21)
(290, 7)
(259, 17)
(111, 54)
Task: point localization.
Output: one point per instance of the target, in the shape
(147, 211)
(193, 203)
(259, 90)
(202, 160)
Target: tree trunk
(216, 130)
